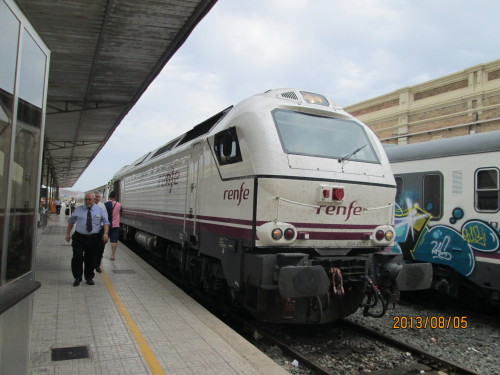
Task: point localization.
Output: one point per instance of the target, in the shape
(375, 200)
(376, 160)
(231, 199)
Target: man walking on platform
(114, 209)
(88, 219)
(58, 206)
(102, 244)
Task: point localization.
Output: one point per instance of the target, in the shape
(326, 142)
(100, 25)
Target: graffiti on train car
(169, 179)
(480, 236)
(440, 243)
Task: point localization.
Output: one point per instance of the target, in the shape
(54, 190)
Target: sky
(347, 50)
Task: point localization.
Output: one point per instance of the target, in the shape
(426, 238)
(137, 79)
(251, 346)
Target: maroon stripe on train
(148, 213)
(163, 219)
(343, 236)
(333, 226)
(226, 230)
(204, 227)
(483, 254)
(247, 233)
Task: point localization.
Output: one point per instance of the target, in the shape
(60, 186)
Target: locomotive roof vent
(289, 95)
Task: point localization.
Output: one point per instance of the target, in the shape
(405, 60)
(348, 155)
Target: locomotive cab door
(191, 230)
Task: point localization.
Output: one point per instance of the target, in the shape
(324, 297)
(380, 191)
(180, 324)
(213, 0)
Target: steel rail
(411, 348)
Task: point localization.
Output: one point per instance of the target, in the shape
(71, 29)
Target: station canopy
(104, 54)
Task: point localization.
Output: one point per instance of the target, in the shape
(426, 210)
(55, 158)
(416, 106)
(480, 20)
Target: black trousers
(84, 254)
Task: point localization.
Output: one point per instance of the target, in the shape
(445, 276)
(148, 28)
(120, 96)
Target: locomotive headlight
(313, 98)
(384, 234)
(289, 234)
(276, 234)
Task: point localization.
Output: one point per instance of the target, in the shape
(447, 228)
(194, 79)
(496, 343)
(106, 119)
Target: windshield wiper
(348, 156)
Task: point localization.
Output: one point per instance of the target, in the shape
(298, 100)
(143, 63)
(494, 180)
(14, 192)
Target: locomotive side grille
(289, 95)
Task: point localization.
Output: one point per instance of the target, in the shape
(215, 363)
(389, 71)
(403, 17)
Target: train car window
(324, 137)
(164, 149)
(140, 160)
(227, 147)
(205, 126)
(432, 195)
(399, 188)
(487, 190)
(409, 190)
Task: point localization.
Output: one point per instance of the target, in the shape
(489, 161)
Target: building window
(487, 190)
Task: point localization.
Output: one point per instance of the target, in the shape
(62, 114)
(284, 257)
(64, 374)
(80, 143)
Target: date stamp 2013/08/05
(436, 322)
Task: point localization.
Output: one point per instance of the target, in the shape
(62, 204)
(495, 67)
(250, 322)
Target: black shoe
(98, 269)
(77, 282)
(90, 282)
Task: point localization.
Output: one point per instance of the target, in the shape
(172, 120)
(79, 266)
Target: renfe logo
(237, 195)
(169, 179)
(340, 210)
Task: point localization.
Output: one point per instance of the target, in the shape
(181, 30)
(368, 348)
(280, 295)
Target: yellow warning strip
(149, 356)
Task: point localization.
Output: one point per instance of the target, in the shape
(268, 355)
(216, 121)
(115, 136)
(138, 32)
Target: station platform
(132, 321)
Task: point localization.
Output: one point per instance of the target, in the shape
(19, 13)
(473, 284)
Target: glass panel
(399, 189)
(204, 127)
(163, 149)
(226, 147)
(487, 192)
(9, 30)
(325, 137)
(487, 179)
(31, 82)
(9, 35)
(23, 198)
(24, 166)
(432, 195)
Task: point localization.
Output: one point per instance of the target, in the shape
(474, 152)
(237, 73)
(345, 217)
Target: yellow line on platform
(149, 356)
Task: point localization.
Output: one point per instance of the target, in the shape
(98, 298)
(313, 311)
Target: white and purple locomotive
(284, 201)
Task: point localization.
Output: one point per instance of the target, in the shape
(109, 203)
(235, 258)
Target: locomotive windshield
(325, 137)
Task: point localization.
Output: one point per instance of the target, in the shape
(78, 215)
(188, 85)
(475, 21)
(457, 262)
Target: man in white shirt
(90, 220)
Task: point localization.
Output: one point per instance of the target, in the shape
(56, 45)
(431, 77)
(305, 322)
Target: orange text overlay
(436, 322)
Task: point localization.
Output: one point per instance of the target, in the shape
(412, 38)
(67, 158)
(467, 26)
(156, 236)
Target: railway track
(422, 362)
(291, 342)
(442, 363)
